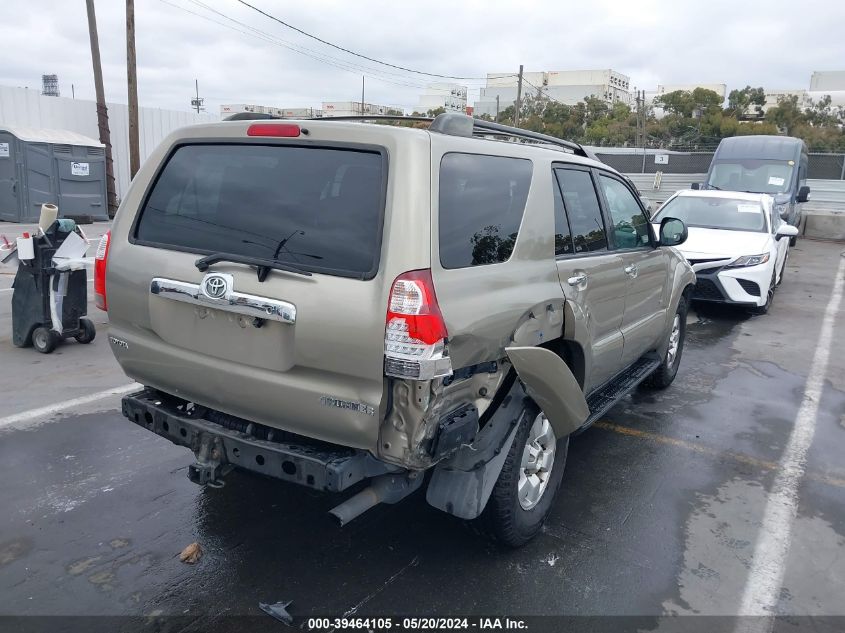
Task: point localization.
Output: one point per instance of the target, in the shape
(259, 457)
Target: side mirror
(673, 232)
(695, 186)
(803, 194)
(786, 230)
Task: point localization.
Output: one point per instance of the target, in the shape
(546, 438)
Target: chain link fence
(827, 166)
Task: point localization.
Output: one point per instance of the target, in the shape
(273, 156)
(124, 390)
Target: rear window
(315, 207)
(482, 199)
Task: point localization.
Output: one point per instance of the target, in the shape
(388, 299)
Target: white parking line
(763, 587)
(60, 407)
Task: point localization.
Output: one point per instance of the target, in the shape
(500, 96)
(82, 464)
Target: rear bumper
(229, 441)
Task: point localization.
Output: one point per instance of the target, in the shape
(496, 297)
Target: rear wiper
(262, 265)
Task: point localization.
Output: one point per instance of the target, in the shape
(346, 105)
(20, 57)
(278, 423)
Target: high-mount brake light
(282, 130)
(415, 334)
(100, 265)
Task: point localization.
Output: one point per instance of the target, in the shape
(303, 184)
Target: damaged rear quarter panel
(488, 307)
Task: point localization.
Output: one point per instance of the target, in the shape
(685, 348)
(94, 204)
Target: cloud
(774, 45)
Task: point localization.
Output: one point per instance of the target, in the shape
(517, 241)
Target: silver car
(330, 301)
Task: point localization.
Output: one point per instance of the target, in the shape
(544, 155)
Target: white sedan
(737, 245)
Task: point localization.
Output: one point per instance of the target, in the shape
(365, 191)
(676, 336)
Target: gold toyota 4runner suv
(333, 301)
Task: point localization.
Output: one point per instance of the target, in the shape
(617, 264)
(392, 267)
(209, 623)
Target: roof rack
(456, 124)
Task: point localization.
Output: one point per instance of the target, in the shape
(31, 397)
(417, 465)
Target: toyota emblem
(215, 286)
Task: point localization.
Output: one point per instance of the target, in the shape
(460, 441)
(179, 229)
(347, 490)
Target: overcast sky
(776, 43)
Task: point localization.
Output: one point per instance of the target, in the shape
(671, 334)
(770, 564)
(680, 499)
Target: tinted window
(318, 208)
(711, 212)
(563, 237)
(583, 210)
(630, 228)
(482, 199)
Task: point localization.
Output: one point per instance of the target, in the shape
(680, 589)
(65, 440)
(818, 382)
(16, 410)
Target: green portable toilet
(56, 166)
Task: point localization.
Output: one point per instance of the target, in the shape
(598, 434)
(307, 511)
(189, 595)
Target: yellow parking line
(703, 449)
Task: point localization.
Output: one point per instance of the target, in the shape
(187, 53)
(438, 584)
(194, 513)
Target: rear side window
(583, 210)
(482, 199)
(315, 207)
(563, 236)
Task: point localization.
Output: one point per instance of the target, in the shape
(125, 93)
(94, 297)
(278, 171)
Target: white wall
(26, 107)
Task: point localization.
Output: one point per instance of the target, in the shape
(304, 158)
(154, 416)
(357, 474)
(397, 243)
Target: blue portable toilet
(56, 166)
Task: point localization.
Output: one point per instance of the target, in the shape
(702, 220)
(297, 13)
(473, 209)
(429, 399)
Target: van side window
(482, 200)
(563, 235)
(582, 209)
(630, 227)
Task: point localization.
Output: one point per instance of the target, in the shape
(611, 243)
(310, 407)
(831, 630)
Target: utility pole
(362, 94)
(102, 111)
(132, 81)
(518, 98)
(497, 108)
(197, 101)
(641, 120)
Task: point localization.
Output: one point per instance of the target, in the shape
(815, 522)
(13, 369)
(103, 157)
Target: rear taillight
(415, 334)
(100, 263)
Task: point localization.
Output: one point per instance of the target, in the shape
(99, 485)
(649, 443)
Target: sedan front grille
(707, 290)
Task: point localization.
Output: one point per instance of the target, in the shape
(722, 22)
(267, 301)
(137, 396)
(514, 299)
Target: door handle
(577, 280)
(631, 271)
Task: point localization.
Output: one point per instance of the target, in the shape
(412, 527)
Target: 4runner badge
(328, 401)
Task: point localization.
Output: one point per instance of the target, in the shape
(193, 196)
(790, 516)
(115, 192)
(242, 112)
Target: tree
(684, 102)
(787, 114)
(748, 98)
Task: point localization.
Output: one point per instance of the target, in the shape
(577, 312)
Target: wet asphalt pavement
(659, 513)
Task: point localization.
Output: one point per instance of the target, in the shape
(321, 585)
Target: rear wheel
(668, 369)
(87, 331)
(44, 340)
(523, 495)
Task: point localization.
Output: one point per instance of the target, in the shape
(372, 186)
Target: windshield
(715, 213)
(316, 208)
(753, 175)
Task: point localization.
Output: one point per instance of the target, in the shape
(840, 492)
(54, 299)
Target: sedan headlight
(749, 260)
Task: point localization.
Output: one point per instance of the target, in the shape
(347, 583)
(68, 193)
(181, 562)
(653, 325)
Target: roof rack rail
(456, 124)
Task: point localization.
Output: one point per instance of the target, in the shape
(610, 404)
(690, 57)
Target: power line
(346, 50)
(352, 67)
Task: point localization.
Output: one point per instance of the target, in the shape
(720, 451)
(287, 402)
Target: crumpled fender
(461, 484)
(550, 383)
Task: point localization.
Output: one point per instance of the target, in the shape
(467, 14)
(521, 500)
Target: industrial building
(719, 89)
(565, 86)
(827, 81)
(285, 113)
(356, 108)
(450, 97)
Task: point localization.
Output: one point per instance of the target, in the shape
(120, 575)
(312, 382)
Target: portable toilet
(56, 166)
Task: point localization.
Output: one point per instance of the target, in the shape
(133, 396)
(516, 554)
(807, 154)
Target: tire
(665, 373)
(512, 520)
(87, 331)
(783, 269)
(770, 295)
(793, 240)
(44, 340)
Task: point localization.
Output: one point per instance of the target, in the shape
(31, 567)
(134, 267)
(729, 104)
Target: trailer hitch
(211, 465)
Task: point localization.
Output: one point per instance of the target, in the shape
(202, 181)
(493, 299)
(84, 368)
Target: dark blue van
(776, 165)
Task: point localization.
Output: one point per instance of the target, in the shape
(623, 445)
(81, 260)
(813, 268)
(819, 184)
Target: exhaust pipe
(382, 489)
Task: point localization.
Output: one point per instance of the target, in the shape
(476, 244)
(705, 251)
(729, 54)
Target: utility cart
(50, 297)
